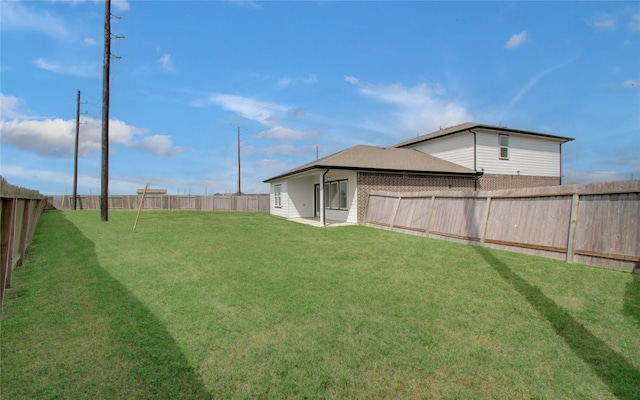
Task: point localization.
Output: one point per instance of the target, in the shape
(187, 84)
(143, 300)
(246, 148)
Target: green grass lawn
(235, 305)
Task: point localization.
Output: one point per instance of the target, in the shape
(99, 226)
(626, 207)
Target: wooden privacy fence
(21, 209)
(594, 224)
(251, 203)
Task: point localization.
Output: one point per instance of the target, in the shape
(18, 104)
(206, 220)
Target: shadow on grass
(622, 378)
(632, 297)
(154, 366)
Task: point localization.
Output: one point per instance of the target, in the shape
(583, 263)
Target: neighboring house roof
(381, 159)
(472, 125)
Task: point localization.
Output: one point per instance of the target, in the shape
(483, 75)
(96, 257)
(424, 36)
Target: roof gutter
(383, 170)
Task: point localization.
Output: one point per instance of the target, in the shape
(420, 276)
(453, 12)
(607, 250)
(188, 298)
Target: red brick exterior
(499, 182)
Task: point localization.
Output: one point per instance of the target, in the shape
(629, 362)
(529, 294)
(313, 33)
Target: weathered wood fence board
(594, 224)
(251, 203)
(20, 211)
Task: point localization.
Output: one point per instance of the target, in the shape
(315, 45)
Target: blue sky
(301, 76)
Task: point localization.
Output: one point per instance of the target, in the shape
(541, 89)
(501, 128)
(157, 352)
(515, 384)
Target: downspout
(475, 167)
(560, 149)
(322, 196)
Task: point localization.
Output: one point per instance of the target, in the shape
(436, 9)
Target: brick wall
(370, 181)
(498, 182)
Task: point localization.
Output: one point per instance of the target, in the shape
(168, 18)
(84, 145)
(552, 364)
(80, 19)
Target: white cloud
(533, 81)
(286, 149)
(272, 165)
(60, 180)
(288, 81)
(165, 63)
(158, 145)
(352, 80)
(604, 22)
(298, 113)
(516, 40)
(245, 3)
(634, 24)
(265, 113)
(420, 108)
(14, 15)
(628, 84)
(90, 41)
(56, 137)
(631, 83)
(284, 82)
(282, 133)
(10, 108)
(120, 5)
(633, 162)
(86, 70)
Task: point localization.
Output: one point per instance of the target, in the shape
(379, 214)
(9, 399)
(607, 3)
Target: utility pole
(104, 177)
(104, 195)
(75, 159)
(239, 190)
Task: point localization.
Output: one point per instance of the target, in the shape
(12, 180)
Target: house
(508, 158)
(464, 157)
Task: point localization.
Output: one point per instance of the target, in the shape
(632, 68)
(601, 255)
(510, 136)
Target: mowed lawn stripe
(246, 305)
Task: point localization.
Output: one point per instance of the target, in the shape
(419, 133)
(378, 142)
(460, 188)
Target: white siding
(528, 155)
(301, 195)
(351, 214)
(298, 197)
(456, 148)
(279, 211)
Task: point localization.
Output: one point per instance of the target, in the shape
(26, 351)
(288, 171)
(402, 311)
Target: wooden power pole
(239, 189)
(104, 177)
(75, 159)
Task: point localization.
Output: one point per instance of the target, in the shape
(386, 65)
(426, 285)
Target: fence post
(6, 243)
(575, 199)
(485, 221)
(24, 231)
(395, 213)
(430, 216)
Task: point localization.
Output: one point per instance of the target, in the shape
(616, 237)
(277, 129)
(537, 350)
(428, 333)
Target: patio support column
(322, 211)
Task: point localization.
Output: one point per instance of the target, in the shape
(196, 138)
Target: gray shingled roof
(471, 125)
(389, 159)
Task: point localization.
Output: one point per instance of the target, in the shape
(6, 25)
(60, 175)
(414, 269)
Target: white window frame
(503, 146)
(277, 195)
(333, 199)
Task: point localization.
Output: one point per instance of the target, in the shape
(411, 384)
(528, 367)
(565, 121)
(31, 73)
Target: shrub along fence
(251, 203)
(21, 209)
(593, 224)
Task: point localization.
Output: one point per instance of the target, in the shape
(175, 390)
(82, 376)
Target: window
(277, 195)
(503, 142)
(343, 195)
(335, 195)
